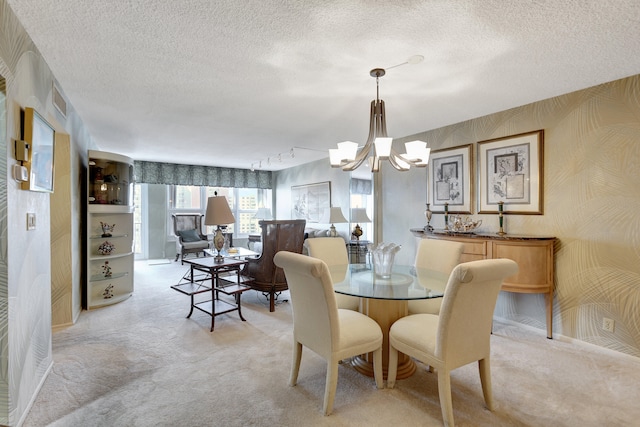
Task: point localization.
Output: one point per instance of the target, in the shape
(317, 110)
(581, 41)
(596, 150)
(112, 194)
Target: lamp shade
(218, 212)
(333, 216)
(359, 215)
(263, 213)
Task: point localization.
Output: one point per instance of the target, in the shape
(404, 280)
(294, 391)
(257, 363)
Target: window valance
(211, 176)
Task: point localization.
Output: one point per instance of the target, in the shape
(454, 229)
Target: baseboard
(570, 340)
(35, 394)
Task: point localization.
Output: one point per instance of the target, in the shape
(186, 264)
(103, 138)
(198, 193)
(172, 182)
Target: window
(243, 202)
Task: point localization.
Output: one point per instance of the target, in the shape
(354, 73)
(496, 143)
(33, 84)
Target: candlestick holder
(428, 214)
(446, 217)
(501, 232)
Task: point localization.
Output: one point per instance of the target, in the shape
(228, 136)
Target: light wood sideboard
(533, 254)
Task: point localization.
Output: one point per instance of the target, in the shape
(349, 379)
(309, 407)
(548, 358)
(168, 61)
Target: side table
(357, 250)
(195, 282)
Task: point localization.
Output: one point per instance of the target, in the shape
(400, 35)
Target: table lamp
(333, 216)
(263, 213)
(359, 216)
(218, 213)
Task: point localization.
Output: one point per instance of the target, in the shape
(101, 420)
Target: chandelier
(347, 156)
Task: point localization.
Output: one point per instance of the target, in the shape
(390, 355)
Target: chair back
(466, 315)
(439, 255)
(315, 313)
(182, 222)
(277, 235)
(332, 250)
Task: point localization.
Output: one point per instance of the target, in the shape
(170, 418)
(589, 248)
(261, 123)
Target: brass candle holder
(428, 214)
(446, 217)
(501, 219)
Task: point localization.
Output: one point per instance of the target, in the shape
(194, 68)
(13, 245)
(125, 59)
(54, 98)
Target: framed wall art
(310, 201)
(450, 179)
(511, 171)
(40, 136)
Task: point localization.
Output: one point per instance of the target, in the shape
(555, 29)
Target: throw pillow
(189, 235)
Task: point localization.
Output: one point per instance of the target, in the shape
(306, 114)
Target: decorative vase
(106, 248)
(383, 256)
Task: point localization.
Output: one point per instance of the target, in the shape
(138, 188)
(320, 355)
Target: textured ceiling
(237, 82)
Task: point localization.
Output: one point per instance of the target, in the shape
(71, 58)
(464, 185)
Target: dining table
(385, 300)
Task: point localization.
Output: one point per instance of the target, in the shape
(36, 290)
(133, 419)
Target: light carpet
(142, 363)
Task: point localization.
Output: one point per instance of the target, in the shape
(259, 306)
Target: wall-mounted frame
(40, 136)
(310, 201)
(450, 179)
(511, 171)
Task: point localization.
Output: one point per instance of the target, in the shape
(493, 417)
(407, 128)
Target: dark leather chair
(277, 235)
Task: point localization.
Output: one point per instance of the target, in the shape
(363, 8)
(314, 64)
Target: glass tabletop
(406, 282)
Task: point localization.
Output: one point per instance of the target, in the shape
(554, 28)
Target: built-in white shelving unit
(109, 229)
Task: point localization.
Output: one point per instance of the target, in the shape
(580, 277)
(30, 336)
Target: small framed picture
(511, 171)
(450, 179)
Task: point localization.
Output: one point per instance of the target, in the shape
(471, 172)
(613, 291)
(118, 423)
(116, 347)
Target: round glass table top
(406, 282)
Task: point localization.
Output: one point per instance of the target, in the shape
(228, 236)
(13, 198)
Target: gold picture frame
(512, 172)
(450, 179)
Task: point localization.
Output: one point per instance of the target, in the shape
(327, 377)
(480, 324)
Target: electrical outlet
(608, 324)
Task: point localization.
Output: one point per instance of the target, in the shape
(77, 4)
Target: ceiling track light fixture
(347, 156)
(279, 156)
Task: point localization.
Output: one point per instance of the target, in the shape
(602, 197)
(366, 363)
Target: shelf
(191, 288)
(106, 208)
(101, 277)
(232, 289)
(113, 236)
(109, 301)
(101, 257)
(215, 307)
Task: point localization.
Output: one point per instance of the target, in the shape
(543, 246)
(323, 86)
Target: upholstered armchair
(277, 235)
(189, 237)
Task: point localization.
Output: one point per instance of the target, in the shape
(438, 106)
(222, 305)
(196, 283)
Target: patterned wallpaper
(591, 204)
(26, 297)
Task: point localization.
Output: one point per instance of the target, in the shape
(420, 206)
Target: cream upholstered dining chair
(322, 327)
(333, 251)
(438, 255)
(460, 334)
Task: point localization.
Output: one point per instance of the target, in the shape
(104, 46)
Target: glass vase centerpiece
(382, 256)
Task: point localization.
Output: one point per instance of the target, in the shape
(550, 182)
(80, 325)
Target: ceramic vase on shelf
(106, 248)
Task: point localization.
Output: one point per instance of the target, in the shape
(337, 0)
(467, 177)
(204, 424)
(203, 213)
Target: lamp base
(218, 243)
(357, 232)
(332, 231)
